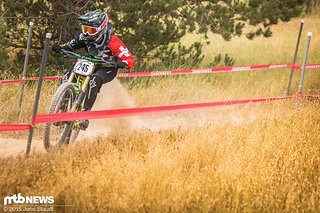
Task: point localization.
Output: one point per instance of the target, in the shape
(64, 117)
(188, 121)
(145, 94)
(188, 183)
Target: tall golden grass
(269, 164)
(261, 157)
(277, 49)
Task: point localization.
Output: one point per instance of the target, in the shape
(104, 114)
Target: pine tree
(151, 27)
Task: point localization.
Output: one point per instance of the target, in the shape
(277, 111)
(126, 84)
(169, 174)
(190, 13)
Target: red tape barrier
(183, 72)
(203, 71)
(49, 78)
(308, 67)
(56, 117)
(45, 118)
(13, 127)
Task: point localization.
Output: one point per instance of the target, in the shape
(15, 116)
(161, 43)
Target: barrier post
(295, 58)
(304, 63)
(25, 67)
(36, 100)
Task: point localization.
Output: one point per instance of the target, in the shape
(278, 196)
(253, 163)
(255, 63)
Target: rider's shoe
(83, 124)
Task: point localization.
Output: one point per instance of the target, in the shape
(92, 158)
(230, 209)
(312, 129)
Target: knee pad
(94, 86)
(95, 82)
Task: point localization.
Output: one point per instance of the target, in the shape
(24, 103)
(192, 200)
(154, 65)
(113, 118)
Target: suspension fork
(71, 77)
(82, 94)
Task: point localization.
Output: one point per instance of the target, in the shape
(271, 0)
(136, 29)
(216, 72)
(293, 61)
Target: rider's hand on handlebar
(119, 63)
(56, 47)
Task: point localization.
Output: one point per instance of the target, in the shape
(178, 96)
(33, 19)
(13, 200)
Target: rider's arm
(121, 51)
(74, 44)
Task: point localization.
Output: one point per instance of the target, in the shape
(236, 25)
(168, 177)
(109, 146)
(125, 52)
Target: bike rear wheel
(56, 134)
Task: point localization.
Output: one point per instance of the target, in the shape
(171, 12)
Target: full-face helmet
(94, 24)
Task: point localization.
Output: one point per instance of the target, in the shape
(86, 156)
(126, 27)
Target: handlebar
(91, 59)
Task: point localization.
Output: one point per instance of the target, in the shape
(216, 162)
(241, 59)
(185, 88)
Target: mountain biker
(98, 40)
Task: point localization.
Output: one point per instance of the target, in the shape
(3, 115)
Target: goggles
(89, 30)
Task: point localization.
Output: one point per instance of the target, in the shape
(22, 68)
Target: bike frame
(81, 91)
(71, 95)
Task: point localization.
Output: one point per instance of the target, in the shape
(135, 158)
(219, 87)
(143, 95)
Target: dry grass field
(253, 158)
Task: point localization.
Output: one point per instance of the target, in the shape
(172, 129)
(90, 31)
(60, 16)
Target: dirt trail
(9, 146)
(113, 96)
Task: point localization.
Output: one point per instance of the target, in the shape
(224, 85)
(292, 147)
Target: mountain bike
(69, 97)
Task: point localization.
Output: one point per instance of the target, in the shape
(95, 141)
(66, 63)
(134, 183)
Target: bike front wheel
(58, 133)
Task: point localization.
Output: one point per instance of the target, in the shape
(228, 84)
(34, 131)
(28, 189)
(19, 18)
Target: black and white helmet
(94, 24)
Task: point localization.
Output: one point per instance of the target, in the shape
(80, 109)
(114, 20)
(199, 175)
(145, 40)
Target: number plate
(83, 67)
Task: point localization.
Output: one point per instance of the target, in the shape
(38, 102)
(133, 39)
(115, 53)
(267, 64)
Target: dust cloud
(112, 96)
